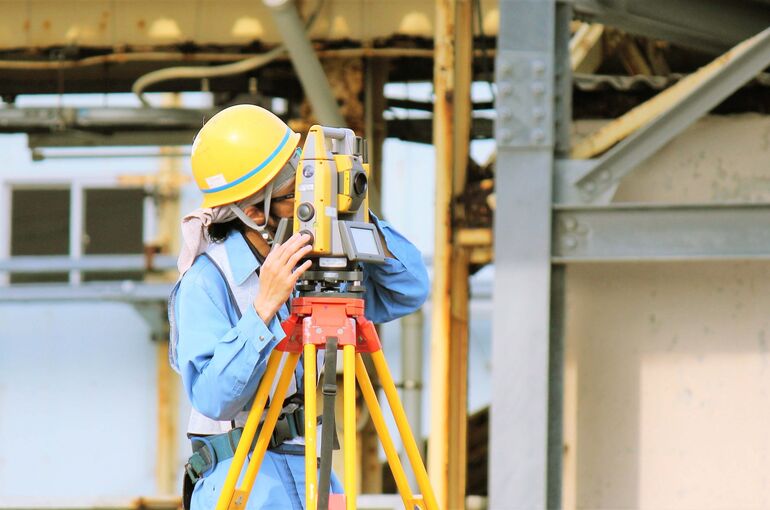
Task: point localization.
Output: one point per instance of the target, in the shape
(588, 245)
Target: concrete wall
(668, 373)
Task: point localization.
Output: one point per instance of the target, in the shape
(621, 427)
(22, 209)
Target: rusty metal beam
(449, 344)
(457, 375)
(443, 85)
(449, 330)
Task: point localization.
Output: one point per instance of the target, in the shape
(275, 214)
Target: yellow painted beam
(585, 48)
(474, 237)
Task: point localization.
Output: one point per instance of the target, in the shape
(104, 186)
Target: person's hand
(278, 275)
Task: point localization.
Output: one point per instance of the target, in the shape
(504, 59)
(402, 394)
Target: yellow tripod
(313, 320)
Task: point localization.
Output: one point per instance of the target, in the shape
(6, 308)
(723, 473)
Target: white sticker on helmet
(216, 180)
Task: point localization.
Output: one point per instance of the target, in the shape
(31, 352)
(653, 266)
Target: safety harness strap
(208, 451)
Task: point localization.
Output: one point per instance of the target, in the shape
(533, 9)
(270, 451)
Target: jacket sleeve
(400, 285)
(221, 365)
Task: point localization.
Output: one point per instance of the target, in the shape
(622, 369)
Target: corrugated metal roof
(599, 82)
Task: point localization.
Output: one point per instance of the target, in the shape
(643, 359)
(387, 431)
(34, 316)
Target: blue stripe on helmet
(254, 171)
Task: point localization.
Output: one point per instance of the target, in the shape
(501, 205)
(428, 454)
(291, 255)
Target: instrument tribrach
(331, 205)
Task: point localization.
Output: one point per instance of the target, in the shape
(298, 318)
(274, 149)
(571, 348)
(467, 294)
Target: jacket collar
(242, 260)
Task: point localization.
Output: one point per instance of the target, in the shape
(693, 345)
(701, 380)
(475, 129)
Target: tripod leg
(403, 428)
(349, 423)
(382, 431)
(241, 495)
(327, 440)
(310, 427)
(249, 429)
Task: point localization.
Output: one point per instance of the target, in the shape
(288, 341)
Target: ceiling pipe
(305, 61)
(203, 72)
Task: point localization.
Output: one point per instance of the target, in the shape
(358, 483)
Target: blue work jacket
(221, 364)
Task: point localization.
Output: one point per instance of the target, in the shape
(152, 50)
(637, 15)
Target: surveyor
(226, 310)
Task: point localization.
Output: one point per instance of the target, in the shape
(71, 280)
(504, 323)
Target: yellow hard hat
(238, 151)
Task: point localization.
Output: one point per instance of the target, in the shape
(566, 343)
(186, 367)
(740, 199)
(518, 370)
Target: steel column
(520, 333)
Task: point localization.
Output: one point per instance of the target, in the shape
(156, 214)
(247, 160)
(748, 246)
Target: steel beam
(127, 291)
(524, 73)
(725, 76)
(55, 264)
(76, 138)
(644, 232)
(106, 127)
(706, 25)
(51, 118)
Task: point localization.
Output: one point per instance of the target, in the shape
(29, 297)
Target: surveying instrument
(331, 205)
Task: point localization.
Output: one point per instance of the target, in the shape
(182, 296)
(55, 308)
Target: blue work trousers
(280, 484)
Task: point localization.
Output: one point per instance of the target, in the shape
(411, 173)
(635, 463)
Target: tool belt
(210, 450)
